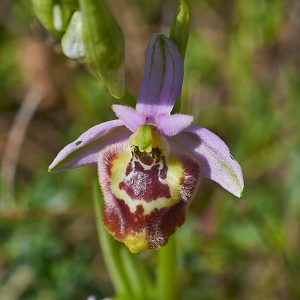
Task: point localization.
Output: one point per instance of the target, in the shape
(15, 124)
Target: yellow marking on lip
(136, 242)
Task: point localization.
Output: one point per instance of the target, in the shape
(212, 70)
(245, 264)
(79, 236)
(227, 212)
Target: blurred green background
(241, 81)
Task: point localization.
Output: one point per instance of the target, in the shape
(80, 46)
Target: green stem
(167, 271)
(140, 281)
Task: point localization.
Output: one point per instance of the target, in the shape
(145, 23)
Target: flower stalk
(167, 271)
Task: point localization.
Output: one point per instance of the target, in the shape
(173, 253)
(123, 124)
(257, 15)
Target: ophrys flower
(149, 161)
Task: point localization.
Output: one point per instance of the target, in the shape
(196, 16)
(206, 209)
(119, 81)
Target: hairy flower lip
(146, 203)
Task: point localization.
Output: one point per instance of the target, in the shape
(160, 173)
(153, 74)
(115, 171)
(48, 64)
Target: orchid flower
(149, 160)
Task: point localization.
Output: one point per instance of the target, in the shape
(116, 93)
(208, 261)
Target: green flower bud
(104, 45)
(180, 28)
(179, 33)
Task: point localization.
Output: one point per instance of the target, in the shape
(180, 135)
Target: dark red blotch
(143, 182)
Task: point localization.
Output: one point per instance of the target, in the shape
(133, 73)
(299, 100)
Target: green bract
(104, 45)
(179, 33)
(44, 11)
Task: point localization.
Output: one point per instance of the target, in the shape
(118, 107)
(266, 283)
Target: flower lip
(146, 197)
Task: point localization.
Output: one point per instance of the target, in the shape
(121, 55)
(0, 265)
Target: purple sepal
(213, 155)
(85, 149)
(162, 80)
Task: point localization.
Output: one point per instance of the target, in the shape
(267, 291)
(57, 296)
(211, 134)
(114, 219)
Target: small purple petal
(85, 149)
(216, 162)
(171, 125)
(131, 118)
(162, 80)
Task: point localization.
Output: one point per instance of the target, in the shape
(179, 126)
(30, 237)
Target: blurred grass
(241, 81)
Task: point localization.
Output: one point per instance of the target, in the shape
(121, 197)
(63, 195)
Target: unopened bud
(179, 33)
(180, 28)
(104, 46)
